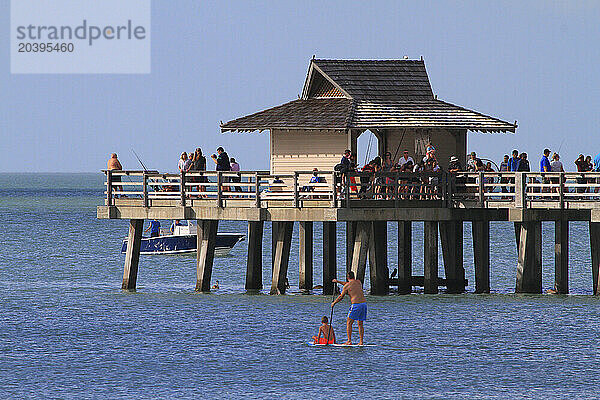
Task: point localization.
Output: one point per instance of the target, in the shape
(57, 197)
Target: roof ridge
(367, 60)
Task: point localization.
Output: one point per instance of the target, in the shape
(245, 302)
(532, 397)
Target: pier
(341, 100)
(442, 203)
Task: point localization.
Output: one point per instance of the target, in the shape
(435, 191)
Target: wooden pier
(442, 201)
(342, 99)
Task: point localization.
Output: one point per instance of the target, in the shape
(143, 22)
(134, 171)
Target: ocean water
(67, 331)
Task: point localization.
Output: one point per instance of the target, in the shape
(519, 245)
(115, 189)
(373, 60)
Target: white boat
(183, 239)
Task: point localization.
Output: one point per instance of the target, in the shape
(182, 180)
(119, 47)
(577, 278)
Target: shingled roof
(375, 79)
(367, 94)
(306, 114)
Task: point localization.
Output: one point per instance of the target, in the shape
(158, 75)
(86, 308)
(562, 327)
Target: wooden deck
(366, 203)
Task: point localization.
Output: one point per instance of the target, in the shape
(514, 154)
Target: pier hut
(340, 100)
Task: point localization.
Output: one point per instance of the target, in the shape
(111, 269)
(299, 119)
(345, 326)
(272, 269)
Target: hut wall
(446, 142)
(302, 150)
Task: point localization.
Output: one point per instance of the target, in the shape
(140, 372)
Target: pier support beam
(329, 257)
(404, 257)
(431, 257)
(281, 257)
(378, 262)
(517, 235)
(305, 261)
(451, 235)
(561, 256)
(529, 266)
(361, 250)
(254, 262)
(205, 253)
(595, 250)
(132, 256)
(350, 236)
(274, 227)
(481, 252)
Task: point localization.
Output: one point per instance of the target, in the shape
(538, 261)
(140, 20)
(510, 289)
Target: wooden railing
(333, 189)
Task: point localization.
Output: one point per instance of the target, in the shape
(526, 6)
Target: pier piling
(350, 236)
(254, 264)
(205, 253)
(595, 250)
(561, 256)
(361, 250)
(132, 256)
(281, 257)
(529, 264)
(378, 262)
(305, 255)
(430, 268)
(329, 256)
(404, 257)
(481, 253)
(451, 235)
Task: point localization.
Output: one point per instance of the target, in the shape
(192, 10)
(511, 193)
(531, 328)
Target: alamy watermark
(80, 36)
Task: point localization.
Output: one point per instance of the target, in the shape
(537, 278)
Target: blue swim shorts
(358, 312)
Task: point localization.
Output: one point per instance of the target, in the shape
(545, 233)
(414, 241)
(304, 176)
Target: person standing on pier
(545, 167)
(358, 305)
(524, 163)
(597, 169)
(114, 165)
(404, 159)
(223, 164)
(504, 168)
(181, 164)
(237, 179)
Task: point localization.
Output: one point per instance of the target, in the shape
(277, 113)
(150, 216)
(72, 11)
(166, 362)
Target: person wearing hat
(454, 165)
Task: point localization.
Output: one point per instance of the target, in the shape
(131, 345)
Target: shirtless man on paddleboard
(358, 306)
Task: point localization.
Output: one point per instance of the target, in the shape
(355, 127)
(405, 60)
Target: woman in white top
(556, 165)
(182, 161)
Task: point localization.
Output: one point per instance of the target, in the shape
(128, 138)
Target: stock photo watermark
(80, 36)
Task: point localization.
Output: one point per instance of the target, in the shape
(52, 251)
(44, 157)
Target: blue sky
(531, 61)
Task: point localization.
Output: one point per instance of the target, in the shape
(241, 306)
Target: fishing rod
(155, 187)
(399, 143)
(331, 317)
(368, 152)
(561, 145)
(140, 161)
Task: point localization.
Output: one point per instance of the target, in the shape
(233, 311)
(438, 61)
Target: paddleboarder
(326, 333)
(358, 305)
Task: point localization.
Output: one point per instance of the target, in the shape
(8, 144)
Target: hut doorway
(367, 147)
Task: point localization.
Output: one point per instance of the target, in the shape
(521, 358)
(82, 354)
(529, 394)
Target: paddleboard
(340, 345)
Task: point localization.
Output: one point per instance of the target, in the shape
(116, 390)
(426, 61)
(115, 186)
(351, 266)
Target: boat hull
(181, 244)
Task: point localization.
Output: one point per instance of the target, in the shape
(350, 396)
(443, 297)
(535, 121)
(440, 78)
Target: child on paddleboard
(326, 331)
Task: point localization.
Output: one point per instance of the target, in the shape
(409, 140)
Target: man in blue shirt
(513, 163)
(545, 162)
(597, 169)
(545, 167)
(154, 228)
(513, 166)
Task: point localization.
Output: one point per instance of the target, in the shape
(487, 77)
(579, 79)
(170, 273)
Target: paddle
(331, 317)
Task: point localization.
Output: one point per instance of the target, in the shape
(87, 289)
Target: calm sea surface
(67, 330)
